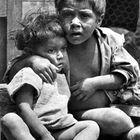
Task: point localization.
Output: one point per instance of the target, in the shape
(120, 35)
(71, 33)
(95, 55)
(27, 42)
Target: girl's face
(78, 21)
(54, 49)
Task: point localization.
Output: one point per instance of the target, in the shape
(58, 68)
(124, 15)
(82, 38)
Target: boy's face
(79, 21)
(54, 49)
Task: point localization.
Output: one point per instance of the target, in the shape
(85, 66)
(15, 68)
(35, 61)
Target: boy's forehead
(80, 4)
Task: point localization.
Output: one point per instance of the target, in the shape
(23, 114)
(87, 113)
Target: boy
(99, 65)
(43, 105)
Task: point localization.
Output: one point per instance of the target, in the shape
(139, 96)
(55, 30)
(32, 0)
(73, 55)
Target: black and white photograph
(69, 69)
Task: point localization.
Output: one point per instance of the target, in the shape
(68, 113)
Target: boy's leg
(133, 134)
(112, 121)
(80, 131)
(14, 128)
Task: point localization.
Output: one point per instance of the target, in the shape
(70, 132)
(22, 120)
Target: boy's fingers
(74, 87)
(84, 98)
(80, 97)
(47, 78)
(53, 69)
(43, 78)
(48, 74)
(76, 93)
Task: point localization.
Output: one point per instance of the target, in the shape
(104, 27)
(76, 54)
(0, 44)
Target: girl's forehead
(56, 41)
(77, 4)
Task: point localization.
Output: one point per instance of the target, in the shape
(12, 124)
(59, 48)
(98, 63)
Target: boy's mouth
(76, 34)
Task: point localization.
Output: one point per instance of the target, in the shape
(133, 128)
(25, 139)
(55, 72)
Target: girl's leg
(112, 121)
(14, 128)
(83, 130)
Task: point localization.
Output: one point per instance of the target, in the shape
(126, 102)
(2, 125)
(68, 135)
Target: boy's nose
(75, 22)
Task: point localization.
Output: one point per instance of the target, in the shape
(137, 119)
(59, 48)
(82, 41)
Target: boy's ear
(99, 20)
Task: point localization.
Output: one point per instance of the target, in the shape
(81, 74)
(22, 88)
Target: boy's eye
(67, 14)
(84, 15)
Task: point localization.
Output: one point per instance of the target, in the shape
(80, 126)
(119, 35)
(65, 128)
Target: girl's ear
(99, 20)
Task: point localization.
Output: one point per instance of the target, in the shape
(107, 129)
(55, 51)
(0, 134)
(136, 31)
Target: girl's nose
(59, 55)
(75, 22)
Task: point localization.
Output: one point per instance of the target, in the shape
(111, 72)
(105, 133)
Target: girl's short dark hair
(98, 6)
(37, 27)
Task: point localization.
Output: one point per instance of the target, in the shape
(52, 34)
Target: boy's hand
(83, 90)
(44, 68)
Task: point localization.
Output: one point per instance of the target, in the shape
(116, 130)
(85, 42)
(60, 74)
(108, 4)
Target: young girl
(43, 106)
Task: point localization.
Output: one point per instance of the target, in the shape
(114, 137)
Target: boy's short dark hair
(98, 6)
(37, 27)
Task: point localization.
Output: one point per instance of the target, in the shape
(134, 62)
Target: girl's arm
(24, 101)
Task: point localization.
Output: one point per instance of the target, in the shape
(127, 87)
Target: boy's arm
(24, 101)
(121, 61)
(86, 88)
(124, 64)
(108, 82)
(40, 65)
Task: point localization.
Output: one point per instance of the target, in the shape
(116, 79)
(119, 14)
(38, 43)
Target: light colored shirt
(50, 100)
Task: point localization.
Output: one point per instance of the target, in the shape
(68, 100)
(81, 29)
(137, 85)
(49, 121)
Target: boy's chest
(87, 65)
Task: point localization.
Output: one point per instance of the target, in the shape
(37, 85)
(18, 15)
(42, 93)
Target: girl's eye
(64, 49)
(51, 51)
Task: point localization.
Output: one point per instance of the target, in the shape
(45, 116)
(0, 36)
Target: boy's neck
(83, 46)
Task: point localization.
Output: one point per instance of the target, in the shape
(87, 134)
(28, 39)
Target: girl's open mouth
(60, 66)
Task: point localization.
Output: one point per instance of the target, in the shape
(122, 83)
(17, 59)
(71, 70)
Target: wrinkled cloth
(115, 59)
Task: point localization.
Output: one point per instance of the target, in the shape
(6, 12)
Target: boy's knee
(112, 121)
(133, 134)
(120, 121)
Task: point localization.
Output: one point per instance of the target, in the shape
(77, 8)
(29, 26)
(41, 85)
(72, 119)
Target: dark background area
(123, 16)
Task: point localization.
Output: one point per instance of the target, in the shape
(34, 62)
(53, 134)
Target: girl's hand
(47, 136)
(83, 90)
(44, 68)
